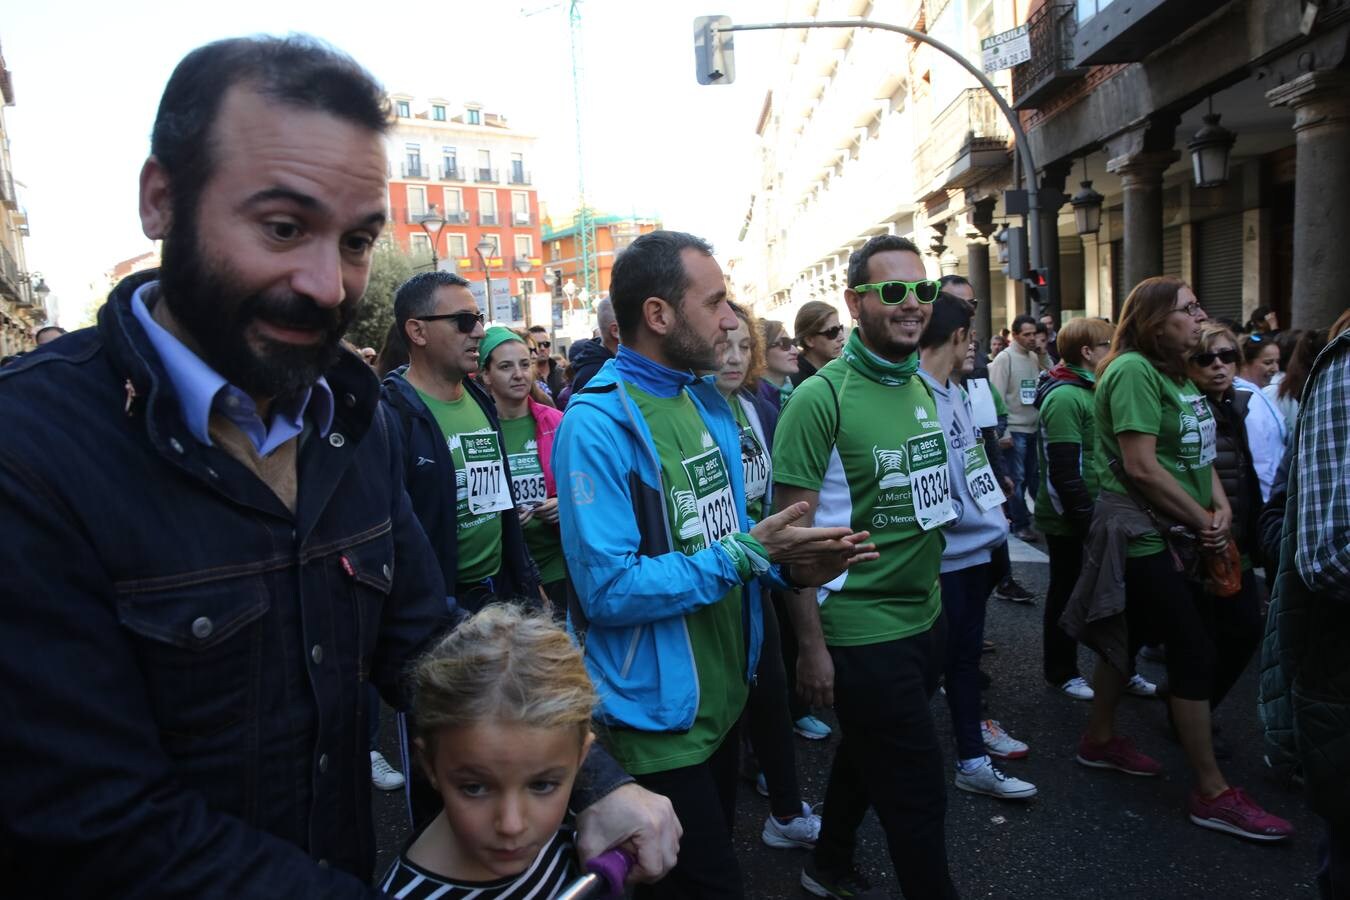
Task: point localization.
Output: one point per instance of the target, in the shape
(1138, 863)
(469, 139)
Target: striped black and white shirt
(552, 870)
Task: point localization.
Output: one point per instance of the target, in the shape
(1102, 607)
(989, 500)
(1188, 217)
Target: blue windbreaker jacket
(633, 588)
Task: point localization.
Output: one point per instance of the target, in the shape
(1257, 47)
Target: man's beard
(210, 305)
(876, 332)
(684, 349)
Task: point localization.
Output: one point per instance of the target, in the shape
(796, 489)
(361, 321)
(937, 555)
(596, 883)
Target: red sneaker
(1117, 753)
(1236, 813)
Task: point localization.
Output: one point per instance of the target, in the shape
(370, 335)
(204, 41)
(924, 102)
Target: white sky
(88, 77)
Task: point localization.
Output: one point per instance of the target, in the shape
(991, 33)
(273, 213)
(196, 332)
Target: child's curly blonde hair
(503, 664)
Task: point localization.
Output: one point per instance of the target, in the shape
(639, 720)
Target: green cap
(492, 339)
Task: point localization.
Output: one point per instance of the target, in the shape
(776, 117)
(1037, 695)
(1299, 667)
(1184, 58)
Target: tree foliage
(389, 268)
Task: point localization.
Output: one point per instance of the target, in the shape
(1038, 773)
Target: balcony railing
(526, 263)
(520, 176)
(410, 170)
(9, 275)
(522, 218)
(485, 176)
(488, 218)
(457, 217)
(1128, 32)
(967, 140)
(7, 194)
(1051, 30)
(452, 173)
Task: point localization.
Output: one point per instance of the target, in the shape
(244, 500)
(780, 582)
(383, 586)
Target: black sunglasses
(466, 322)
(545, 344)
(1228, 357)
(831, 333)
(783, 343)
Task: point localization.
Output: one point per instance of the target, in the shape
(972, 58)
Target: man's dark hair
(417, 296)
(538, 328)
(1021, 320)
(1042, 328)
(37, 335)
(882, 243)
(950, 313)
(949, 280)
(652, 266)
(298, 70)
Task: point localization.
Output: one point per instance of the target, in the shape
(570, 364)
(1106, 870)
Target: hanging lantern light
(1210, 151)
(1087, 206)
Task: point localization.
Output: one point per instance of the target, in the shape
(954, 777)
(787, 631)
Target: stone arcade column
(1141, 184)
(1321, 104)
(1052, 197)
(977, 264)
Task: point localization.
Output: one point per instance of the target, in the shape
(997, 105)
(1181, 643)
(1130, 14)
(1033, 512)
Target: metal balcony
(9, 276)
(967, 141)
(408, 170)
(485, 176)
(488, 218)
(456, 217)
(1051, 30)
(452, 173)
(522, 218)
(7, 194)
(520, 176)
(1121, 32)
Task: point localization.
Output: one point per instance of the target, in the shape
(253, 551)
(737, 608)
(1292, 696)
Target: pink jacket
(546, 420)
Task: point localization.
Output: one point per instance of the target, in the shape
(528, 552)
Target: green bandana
(493, 338)
(1084, 373)
(874, 367)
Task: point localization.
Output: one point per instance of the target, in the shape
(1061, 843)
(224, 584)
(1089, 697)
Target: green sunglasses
(892, 292)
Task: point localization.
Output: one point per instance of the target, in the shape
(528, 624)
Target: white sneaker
(382, 775)
(998, 743)
(1077, 688)
(1141, 686)
(987, 779)
(800, 832)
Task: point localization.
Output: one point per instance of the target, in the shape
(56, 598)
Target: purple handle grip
(613, 866)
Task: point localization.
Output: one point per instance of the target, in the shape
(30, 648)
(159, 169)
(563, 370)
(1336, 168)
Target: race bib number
(486, 476)
(1199, 435)
(982, 407)
(709, 510)
(929, 481)
(527, 479)
(980, 479)
(1026, 391)
(1209, 437)
(756, 464)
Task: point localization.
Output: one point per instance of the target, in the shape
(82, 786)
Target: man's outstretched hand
(817, 555)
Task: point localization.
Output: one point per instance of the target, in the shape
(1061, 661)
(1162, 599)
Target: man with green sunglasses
(862, 443)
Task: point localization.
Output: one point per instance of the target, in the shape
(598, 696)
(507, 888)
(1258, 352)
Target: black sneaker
(1013, 592)
(850, 885)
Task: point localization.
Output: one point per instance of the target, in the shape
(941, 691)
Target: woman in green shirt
(791, 822)
(1155, 443)
(506, 369)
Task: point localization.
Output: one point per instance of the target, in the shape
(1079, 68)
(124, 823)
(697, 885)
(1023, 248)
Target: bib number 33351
(930, 480)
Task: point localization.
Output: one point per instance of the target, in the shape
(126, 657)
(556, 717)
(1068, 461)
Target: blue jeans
(1022, 469)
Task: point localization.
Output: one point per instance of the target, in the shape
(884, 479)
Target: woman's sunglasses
(1203, 360)
(831, 333)
(892, 292)
(783, 343)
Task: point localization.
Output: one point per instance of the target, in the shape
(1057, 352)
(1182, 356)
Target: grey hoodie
(975, 532)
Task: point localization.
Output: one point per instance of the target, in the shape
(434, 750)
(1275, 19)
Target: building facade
(463, 165)
(22, 293)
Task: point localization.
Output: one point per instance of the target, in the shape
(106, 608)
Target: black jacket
(1233, 463)
(430, 472)
(586, 358)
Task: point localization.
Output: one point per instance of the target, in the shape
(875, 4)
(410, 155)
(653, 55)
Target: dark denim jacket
(181, 658)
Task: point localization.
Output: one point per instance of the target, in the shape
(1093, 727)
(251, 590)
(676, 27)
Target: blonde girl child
(503, 709)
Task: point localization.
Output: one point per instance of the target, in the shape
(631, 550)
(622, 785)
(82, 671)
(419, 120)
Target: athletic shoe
(761, 785)
(849, 885)
(999, 744)
(1236, 813)
(1077, 688)
(1117, 753)
(812, 728)
(987, 779)
(800, 832)
(382, 775)
(1013, 592)
(1141, 686)
(1026, 535)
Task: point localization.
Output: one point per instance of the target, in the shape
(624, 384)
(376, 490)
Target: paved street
(1089, 832)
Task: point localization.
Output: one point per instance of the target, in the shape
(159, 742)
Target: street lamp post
(484, 247)
(432, 223)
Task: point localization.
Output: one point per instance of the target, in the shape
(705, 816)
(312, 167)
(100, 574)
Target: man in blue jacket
(665, 563)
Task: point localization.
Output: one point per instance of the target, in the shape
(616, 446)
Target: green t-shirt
(464, 423)
(858, 452)
(1132, 395)
(701, 505)
(527, 484)
(1066, 418)
(754, 461)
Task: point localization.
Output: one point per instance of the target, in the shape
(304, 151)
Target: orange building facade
(612, 235)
